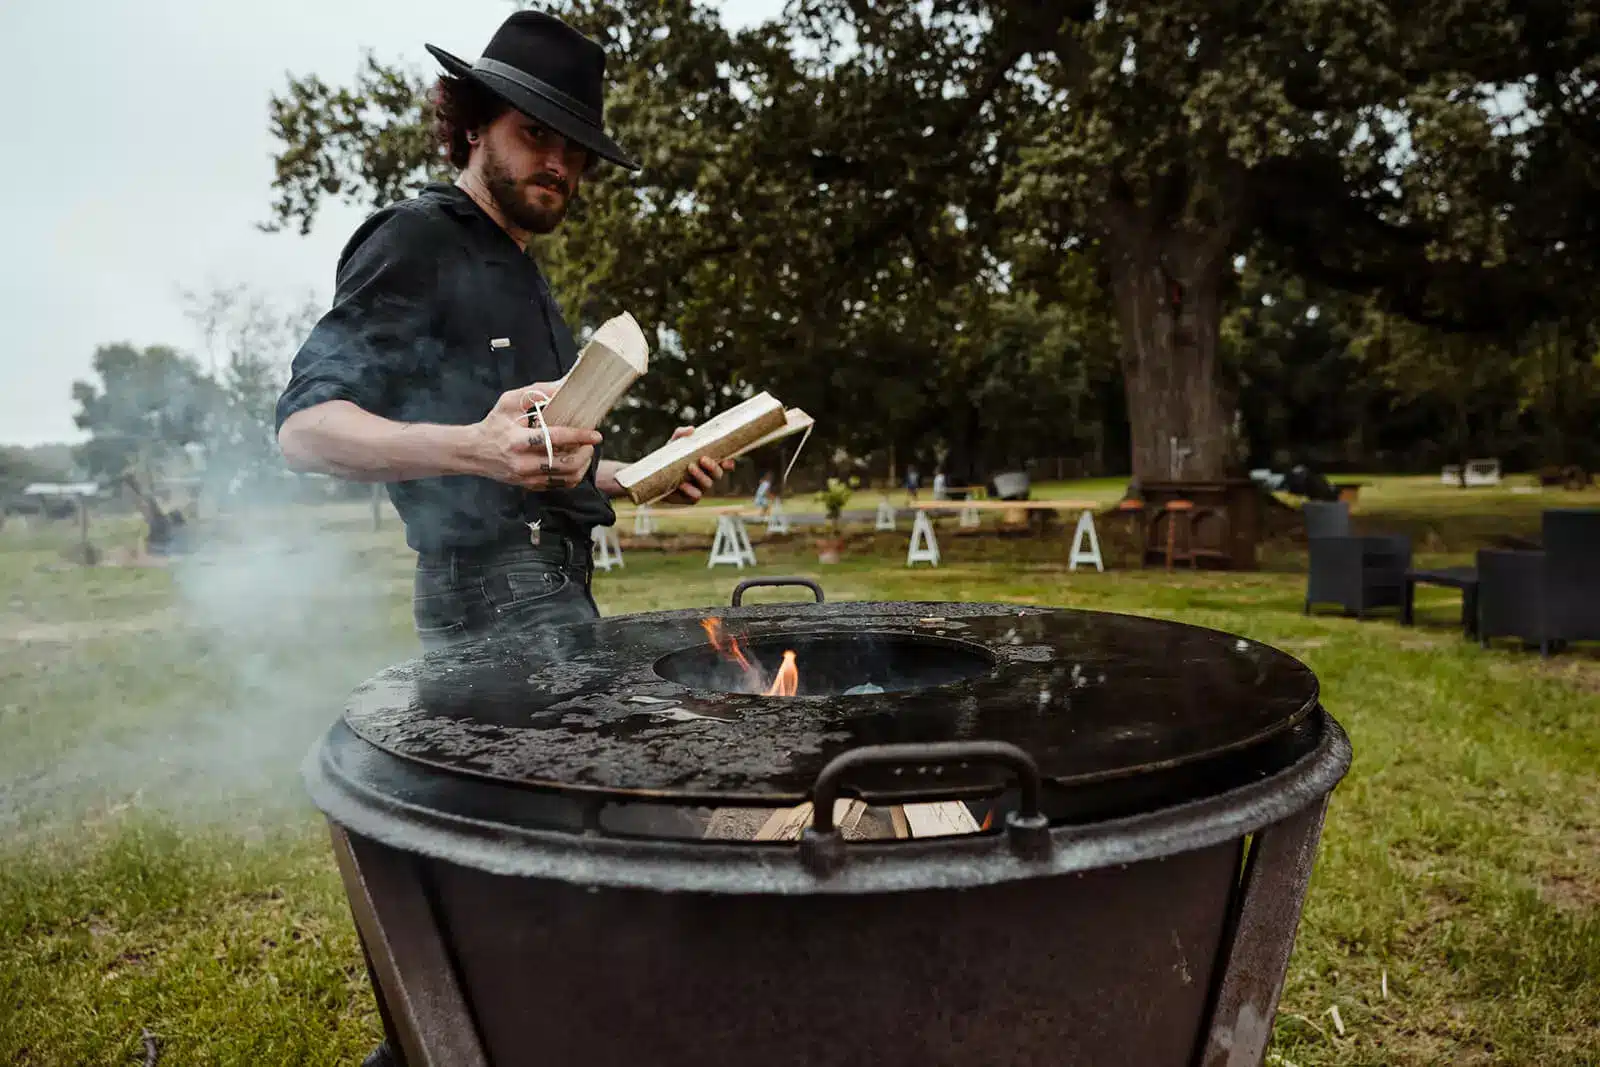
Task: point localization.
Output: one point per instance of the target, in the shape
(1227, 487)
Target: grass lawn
(161, 870)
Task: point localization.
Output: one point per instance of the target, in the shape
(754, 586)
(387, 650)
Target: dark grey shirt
(436, 312)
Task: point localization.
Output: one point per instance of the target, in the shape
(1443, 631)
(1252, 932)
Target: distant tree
(1557, 374)
(1470, 378)
(1287, 368)
(1383, 148)
(143, 408)
(249, 341)
(19, 468)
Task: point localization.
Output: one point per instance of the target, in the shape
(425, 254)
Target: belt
(551, 545)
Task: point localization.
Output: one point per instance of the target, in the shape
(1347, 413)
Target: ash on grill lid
(1094, 697)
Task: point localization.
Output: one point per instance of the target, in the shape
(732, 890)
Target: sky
(138, 163)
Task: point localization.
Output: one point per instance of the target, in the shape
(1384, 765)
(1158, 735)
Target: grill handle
(751, 583)
(1027, 829)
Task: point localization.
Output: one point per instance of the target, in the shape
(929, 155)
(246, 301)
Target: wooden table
(1462, 578)
(968, 492)
(925, 546)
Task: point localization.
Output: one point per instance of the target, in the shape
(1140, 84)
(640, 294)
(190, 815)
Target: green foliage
(16, 469)
(835, 495)
(145, 407)
(366, 143)
(908, 218)
(1541, 388)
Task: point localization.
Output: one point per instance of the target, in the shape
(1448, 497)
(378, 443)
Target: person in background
(763, 491)
(938, 484)
(912, 481)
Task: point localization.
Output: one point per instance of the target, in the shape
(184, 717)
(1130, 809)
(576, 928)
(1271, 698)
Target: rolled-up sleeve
(384, 306)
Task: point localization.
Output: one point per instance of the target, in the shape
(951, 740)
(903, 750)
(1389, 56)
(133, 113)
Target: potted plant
(833, 498)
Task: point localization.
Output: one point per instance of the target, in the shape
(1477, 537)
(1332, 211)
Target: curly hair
(460, 105)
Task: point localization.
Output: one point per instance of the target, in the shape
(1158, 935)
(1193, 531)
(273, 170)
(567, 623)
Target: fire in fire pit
(785, 683)
(856, 663)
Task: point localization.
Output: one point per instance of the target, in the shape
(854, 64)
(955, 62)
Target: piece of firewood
(942, 819)
(851, 817)
(659, 473)
(615, 357)
(897, 816)
(787, 823)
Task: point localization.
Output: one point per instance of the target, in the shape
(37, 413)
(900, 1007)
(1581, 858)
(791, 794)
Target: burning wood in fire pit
(785, 682)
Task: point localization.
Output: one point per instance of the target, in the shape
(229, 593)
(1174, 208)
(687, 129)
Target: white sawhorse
(1080, 554)
(644, 521)
(924, 546)
(777, 519)
(885, 515)
(607, 547)
(732, 543)
(969, 517)
(1085, 543)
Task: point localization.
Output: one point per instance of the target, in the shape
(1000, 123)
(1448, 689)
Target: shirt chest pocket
(521, 356)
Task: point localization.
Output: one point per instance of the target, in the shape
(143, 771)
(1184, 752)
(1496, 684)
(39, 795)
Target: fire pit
(529, 837)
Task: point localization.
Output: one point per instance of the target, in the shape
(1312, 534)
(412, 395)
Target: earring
(472, 137)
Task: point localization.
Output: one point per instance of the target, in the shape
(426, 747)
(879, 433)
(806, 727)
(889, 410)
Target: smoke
(212, 700)
(197, 689)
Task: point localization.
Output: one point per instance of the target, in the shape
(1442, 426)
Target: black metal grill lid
(1093, 697)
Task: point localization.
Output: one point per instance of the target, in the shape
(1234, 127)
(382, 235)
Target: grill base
(1134, 964)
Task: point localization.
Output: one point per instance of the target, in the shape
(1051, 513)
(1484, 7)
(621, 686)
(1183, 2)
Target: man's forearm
(340, 439)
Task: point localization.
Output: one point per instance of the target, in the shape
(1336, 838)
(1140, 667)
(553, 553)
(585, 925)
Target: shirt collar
(454, 201)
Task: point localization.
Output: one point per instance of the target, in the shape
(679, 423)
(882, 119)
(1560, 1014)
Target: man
(442, 335)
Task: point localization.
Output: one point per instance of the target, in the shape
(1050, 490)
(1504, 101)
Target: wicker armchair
(1359, 572)
(1546, 597)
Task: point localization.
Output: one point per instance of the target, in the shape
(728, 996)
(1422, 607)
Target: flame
(988, 820)
(787, 681)
(729, 648)
(784, 684)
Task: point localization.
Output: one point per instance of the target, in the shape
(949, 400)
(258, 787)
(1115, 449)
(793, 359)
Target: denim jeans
(512, 589)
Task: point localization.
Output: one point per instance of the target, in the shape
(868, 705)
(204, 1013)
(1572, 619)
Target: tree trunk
(1168, 299)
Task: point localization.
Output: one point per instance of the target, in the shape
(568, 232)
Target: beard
(525, 202)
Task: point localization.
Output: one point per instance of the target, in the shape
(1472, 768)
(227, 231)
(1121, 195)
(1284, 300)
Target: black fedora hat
(548, 71)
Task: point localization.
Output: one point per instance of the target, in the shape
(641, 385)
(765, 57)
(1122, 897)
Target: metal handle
(751, 583)
(822, 848)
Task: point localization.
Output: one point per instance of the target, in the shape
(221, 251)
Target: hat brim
(530, 102)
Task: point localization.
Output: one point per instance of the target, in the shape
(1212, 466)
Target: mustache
(550, 181)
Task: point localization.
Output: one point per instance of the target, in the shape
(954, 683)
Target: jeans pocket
(531, 583)
(439, 608)
(441, 636)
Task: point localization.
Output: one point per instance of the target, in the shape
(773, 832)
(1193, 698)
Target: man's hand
(510, 444)
(701, 476)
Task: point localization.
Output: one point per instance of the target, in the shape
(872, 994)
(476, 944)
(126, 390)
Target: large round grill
(529, 829)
